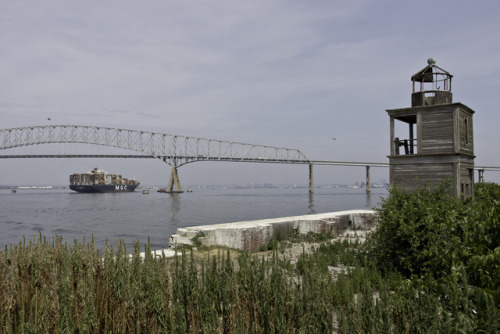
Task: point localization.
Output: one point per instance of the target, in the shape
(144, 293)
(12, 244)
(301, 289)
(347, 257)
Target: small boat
(99, 181)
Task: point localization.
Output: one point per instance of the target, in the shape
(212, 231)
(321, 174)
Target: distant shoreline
(232, 186)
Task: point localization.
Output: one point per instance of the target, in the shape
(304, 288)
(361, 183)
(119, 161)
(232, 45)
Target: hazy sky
(283, 73)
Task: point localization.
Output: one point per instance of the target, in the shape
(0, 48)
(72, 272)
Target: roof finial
(431, 61)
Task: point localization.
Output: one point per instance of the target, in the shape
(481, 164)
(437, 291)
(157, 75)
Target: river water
(136, 216)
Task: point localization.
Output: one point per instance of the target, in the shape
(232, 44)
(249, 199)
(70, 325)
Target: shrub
(486, 191)
(484, 264)
(420, 233)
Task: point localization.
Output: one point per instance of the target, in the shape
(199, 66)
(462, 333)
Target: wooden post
(174, 180)
(393, 145)
(411, 138)
(368, 189)
(311, 184)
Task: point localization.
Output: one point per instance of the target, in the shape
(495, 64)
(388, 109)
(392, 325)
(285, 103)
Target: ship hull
(103, 188)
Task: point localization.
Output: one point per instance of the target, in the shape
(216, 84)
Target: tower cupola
(431, 86)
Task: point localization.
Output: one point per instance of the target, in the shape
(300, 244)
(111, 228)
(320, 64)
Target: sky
(272, 72)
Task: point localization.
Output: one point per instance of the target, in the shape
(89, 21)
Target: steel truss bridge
(174, 150)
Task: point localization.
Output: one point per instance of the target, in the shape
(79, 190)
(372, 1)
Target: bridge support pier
(174, 181)
(368, 188)
(480, 173)
(311, 183)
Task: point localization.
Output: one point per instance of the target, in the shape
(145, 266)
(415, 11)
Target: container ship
(98, 181)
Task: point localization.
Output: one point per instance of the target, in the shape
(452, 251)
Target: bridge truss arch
(175, 150)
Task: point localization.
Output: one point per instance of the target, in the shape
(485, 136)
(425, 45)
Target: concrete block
(178, 240)
(191, 234)
(252, 235)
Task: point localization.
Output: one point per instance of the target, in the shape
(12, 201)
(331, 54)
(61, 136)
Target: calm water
(134, 216)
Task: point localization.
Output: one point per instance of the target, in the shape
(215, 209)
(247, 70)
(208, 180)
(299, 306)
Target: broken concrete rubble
(252, 235)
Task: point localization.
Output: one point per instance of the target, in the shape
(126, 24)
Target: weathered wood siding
(466, 173)
(465, 133)
(410, 176)
(445, 148)
(437, 132)
(466, 182)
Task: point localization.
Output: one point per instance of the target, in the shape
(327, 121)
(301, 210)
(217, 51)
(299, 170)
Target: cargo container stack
(100, 181)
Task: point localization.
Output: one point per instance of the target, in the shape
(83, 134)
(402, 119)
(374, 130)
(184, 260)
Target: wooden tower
(433, 140)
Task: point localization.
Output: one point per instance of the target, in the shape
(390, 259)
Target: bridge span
(174, 150)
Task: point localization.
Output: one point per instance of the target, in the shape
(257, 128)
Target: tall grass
(48, 286)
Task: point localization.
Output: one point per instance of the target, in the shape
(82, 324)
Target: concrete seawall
(252, 235)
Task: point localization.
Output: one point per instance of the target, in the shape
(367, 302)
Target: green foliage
(196, 239)
(284, 235)
(428, 232)
(484, 263)
(451, 245)
(486, 191)
(420, 233)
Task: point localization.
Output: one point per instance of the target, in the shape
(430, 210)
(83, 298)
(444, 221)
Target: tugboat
(99, 181)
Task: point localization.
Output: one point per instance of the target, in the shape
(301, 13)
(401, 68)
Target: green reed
(48, 286)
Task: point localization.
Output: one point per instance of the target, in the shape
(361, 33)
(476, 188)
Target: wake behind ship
(99, 181)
